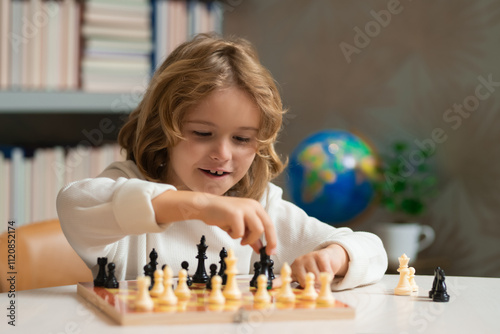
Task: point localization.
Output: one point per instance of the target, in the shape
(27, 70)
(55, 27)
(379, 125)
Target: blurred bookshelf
(70, 73)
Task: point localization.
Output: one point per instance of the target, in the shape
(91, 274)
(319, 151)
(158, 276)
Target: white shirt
(112, 216)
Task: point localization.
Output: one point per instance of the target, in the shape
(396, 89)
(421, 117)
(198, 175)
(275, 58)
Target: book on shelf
(33, 178)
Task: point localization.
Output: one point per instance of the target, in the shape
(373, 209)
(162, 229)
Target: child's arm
(239, 217)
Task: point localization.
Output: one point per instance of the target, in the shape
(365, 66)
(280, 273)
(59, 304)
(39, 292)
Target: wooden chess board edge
(225, 316)
(99, 303)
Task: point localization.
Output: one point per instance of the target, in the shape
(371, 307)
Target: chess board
(118, 304)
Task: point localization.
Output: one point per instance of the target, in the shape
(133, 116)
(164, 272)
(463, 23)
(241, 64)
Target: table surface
(474, 307)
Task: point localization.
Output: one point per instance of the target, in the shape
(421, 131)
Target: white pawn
(403, 288)
(285, 294)
(158, 286)
(182, 290)
(309, 292)
(413, 284)
(143, 301)
(216, 296)
(325, 293)
(168, 296)
(231, 291)
(262, 295)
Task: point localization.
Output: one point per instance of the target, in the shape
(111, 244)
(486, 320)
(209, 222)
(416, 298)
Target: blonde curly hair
(190, 73)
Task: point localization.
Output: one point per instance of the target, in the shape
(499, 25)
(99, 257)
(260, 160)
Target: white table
(474, 307)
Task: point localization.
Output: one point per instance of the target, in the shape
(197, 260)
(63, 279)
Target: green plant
(406, 182)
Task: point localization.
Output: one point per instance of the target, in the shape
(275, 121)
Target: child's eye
(202, 134)
(242, 139)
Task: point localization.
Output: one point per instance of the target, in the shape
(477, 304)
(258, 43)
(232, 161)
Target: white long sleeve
(112, 216)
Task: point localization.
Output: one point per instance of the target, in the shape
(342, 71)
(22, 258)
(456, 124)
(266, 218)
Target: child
(200, 157)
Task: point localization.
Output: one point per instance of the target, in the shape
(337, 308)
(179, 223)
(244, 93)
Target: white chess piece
(325, 296)
(157, 288)
(231, 291)
(143, 301)
(413, 284)
(262, 295)
(182, 290)
(216, 296)
(309, 292)
(285, 294)
(403, 288)
(168, 296)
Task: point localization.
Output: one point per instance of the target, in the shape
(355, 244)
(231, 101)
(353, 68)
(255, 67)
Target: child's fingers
(269, 232)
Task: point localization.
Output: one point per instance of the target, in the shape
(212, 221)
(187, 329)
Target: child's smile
(220, 143)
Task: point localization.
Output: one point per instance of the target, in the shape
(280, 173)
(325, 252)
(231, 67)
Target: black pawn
(111, 282)
(435, 282)
(441, 295)
(185, 266)
(148, 271)
(200, 276)
(222, 268)
(101, 277)
(256, 271)
(213, 272)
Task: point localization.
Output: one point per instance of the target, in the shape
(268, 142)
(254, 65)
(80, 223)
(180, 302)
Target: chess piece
(222, 263)
(271, 270)
(213, 272)
(411, 277)
(182, 291)
(403, 288)
(265, 267)
(216, 296)
(168, 296)
(309, 292)
(262, 295)
(111, 282)
(441, 294)
(285, 294)
(325, 296)
(158, 286)
(435, 282)
(200, 276)
(185, 266)
(153, 256)
(256, 272)
(148, 271)
(143, 301)
(101, 277)
(231, 291)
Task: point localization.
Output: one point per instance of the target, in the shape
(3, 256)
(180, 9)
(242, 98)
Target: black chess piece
(185, 266)
(213, 272)
(148, 271)
(256, 272)
(101, 277)
(222, 268)
(271, 270)
(200, 276)
(435, 282)
(153, 256)
(111, 282)
(265, 264)
(440, 294)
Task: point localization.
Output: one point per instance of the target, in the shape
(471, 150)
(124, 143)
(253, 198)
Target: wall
(392, 70)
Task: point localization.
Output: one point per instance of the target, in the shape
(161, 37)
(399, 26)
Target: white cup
(406, 238)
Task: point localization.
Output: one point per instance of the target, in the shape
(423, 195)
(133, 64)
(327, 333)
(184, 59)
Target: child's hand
(239, 217)
(332, 259)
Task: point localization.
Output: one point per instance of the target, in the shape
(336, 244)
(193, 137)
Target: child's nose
(221, 150)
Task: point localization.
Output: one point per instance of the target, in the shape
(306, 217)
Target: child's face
(220, 145)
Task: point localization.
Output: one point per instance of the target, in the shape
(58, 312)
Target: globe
(331, 176)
